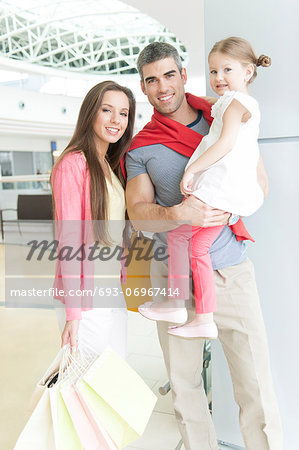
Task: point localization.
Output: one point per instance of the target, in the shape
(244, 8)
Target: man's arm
(146, 215)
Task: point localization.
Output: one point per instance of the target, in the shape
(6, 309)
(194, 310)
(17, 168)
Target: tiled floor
(161, 432)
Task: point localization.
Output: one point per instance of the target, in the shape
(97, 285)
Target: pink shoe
(178, 316)
(203, 330)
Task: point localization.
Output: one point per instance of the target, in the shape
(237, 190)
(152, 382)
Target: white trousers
(99, 328)
(243, 337)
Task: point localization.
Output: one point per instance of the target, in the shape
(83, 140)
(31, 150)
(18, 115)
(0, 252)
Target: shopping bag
(38, 431)
(49, 378)
(72, 426)
(89, 433)
(117, 397)
(65, 435)
(137, 284)
(92, 405)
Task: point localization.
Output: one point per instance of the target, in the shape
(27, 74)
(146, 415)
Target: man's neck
(185, 114)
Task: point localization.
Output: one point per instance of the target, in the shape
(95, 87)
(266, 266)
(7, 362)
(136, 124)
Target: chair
(30, 208)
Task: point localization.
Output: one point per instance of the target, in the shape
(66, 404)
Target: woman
(88, 198)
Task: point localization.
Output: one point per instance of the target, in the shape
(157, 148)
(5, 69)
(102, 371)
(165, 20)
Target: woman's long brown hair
(83, 141)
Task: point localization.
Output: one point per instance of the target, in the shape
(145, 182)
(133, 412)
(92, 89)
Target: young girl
(88, 195)
(222, 172)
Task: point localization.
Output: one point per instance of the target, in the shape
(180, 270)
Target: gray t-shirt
(165, 168)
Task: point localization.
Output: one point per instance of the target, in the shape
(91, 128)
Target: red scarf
(182, 139)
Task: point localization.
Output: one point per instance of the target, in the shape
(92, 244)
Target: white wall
(41, 108)
(271, 26)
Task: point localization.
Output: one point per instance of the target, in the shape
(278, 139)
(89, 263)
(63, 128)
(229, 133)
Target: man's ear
(142, 87)
(184, 75)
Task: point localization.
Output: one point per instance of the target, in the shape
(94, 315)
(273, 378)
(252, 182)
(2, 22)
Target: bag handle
(75, 364)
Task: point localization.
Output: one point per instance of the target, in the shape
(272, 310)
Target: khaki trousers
(242, 335)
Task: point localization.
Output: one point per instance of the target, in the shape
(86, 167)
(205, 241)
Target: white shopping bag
(38, 431)
(50, 375)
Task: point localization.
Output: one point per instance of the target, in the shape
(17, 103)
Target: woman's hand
(211, 100)
(69, 334)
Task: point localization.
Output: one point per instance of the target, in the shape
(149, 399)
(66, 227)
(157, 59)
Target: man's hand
(200, 214)
(148, 216)
(69, 334)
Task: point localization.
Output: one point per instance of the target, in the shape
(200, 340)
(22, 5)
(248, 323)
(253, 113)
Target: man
(155, 165)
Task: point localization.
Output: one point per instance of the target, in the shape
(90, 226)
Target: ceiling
(79, 36)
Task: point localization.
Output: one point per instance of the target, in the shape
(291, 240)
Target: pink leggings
(179, 251)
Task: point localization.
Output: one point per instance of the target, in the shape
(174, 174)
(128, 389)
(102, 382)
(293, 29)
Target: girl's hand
(187, 183)
(69, 334)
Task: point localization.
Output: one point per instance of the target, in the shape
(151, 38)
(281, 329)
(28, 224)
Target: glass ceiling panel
(83, 36)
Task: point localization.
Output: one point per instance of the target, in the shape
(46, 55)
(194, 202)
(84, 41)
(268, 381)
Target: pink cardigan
(71, 189)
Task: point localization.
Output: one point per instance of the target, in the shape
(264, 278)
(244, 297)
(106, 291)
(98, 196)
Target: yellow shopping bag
(65, 434)
(137, 285)
(117, 397)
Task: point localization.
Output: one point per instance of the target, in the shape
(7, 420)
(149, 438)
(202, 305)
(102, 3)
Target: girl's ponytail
(264, 61)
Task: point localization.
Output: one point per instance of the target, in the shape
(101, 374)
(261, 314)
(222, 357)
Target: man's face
(163, 85)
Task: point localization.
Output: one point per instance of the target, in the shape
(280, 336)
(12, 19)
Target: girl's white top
(231, 183)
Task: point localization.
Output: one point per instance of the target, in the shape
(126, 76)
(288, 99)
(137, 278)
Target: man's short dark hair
(156, 51)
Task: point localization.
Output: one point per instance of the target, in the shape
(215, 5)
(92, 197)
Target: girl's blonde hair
(241, 50)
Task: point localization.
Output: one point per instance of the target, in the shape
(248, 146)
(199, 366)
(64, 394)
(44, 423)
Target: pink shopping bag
(89, 433)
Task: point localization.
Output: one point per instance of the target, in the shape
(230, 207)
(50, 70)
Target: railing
(33, 181)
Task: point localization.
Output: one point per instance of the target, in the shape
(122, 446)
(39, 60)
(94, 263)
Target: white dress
(231, 183)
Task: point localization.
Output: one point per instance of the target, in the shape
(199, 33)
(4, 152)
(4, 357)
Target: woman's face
(112, 118)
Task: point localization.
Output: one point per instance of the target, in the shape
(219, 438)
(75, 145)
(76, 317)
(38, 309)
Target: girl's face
(112, 118)
(228, 74)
